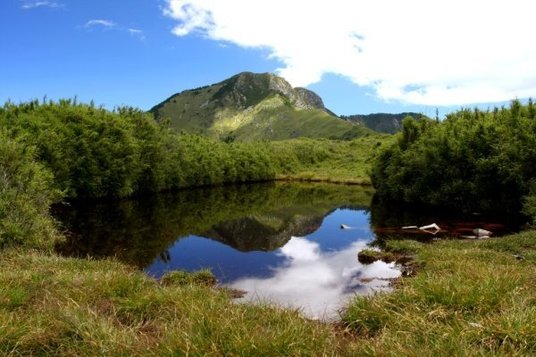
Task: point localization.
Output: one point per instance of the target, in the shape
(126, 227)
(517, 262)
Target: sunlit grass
(344, 162)
(471, 298)
(59, 306)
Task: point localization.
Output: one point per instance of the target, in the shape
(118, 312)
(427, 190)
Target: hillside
(251, 106)
(382, 122)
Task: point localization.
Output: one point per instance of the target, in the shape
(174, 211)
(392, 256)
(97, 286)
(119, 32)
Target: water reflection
(316, 282)
(388, 218)
(316, 273)
(247, 218)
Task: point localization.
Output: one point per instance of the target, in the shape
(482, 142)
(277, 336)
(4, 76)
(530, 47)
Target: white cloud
(137, 33)
(107, 24)
(33, 4)
(422, 52)
(104, 23)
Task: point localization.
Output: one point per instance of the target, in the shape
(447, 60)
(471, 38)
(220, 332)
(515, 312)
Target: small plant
(368, 256)
(181, 277)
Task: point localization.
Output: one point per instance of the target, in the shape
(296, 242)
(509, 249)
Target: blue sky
(357, 56)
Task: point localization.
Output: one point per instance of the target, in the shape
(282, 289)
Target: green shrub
(25, 195)
(473, 160)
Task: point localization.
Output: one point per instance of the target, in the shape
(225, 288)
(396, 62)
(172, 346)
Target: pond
(280, 243)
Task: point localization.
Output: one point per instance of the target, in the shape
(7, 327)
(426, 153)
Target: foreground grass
(59, 306)
(469, 298)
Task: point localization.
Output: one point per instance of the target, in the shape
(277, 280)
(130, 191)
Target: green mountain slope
(252, 106)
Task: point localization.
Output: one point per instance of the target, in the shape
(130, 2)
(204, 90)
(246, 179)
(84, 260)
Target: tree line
(52, 151)
(473, 160)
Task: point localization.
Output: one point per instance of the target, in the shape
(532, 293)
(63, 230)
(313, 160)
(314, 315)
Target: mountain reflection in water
(316, 273)
(244, 234)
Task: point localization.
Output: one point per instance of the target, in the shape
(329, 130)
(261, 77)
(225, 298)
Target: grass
(58, 306)
(343, 162)
(469, 298)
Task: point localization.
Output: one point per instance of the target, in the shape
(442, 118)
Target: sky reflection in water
(317, 273)
(319, 283)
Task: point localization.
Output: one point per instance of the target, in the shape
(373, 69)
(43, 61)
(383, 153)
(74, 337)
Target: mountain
(250, 106)
(264, 232)
(381, 122)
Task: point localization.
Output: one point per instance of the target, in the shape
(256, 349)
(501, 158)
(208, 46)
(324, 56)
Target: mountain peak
(247, 89)
(254, 106)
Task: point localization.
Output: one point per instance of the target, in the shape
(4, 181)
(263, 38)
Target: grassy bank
(58, 306)
(469, 298)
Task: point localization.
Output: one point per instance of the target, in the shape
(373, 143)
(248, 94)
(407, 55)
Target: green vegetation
(63, 307)
(78, 151)
(328, 160)
(471, 298)
(472, 161)
(96, 153)
(25, 195)
(181, 277)
(249, 107)
(368, 256)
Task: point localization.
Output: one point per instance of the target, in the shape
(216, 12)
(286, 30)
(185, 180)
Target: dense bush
(472, 160)
(25, 195)
(94, 153)
(529, 203)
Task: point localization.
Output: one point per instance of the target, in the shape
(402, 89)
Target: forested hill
(251, 106)
(381, 122)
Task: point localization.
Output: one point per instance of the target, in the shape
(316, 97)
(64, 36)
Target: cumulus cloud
(414, 51)
(34, 4)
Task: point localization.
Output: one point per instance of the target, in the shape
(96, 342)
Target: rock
(431, 228)
(306, 99)
(481, 233)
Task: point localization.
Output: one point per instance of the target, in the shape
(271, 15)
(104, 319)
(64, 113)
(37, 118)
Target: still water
(281, 243)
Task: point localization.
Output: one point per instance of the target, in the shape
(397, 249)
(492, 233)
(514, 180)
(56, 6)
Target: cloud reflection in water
(319, 283)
